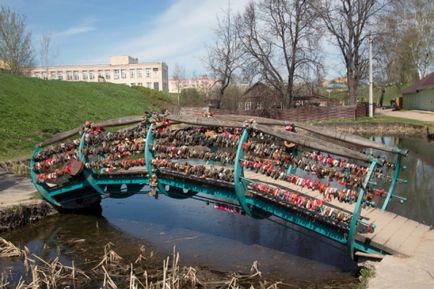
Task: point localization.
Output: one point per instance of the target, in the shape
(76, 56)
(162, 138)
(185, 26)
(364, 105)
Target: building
(258, 97)
(202, 83)
(420, 95)
(122, 70)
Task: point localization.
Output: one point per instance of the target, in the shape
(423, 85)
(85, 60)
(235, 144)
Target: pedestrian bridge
(333, 184)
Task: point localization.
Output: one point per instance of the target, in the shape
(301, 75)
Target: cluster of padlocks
(209, 153)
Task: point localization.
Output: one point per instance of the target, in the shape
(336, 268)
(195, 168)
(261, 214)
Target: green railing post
(358, 208)
(34, 178)
(393, 183)
(148, 152)
(88, 173)
(239, 182)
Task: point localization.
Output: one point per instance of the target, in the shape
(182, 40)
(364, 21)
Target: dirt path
(16, 190)
(409, 114)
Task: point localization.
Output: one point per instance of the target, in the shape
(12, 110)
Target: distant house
(420, 95)
(261, 97)
(258, 97)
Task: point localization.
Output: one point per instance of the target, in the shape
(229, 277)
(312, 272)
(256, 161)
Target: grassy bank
(32, 109)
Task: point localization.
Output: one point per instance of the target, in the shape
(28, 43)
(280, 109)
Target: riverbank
(20, 204)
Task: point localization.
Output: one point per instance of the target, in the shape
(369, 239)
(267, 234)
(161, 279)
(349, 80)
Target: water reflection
(224, 240)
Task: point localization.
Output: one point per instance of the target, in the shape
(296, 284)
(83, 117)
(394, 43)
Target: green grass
(32, 110)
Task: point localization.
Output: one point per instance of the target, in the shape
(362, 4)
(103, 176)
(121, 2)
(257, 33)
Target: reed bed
(115, 272)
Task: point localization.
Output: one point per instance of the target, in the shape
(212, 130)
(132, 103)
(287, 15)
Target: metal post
(148, 153)
(358, 208)
(393, 183)
(239, 182)
(371, 104)
(88, 173)
(34, 178)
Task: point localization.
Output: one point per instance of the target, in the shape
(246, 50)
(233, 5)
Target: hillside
(32, 110)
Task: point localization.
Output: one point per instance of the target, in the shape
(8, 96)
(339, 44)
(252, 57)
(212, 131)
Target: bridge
(334, 184)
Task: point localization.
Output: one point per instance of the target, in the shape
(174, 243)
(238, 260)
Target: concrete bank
(19, 202)
(369, 128)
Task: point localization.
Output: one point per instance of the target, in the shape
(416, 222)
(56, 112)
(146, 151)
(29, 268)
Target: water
(226, 241)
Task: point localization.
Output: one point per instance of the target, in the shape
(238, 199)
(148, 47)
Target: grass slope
(31, 110)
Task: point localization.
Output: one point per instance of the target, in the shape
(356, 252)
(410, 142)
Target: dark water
(226, 241)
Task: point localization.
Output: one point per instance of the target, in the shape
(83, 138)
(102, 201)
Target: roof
(258, 90)
(425, 83)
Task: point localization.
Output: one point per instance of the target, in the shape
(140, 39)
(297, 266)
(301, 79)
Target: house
(420, 95)
(258, 97)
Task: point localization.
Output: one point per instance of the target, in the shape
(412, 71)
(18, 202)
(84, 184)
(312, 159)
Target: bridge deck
(393, 233)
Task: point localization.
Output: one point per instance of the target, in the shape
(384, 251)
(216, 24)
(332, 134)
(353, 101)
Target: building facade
(121, 70)
(420, 95)
(202, 83)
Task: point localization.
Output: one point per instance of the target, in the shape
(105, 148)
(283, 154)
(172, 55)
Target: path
(416, 271)
(409, 114)
(16, 190)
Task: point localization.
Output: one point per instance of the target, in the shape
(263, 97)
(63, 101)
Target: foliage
(33, 109)
(405, 41)
(191, 97)
(15, 42)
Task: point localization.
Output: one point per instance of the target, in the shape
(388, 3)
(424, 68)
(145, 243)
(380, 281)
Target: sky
(90, 31)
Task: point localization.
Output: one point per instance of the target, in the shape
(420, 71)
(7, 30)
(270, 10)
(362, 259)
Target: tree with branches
(15, 42)
(348, 22)
(281, 39)
(225, 56)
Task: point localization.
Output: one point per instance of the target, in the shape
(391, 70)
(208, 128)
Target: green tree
(191, 97)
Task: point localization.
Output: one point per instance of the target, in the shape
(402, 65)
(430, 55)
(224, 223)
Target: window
(259, 105)
(100, 74)
(139, 73)
(91, 74)
(156, 85)
(60, 75)
(75, 75)
(68, 75)
(123, 73)
(85, 75)
(132, 73)
(155, 69)
(148, 72)
(247, 105)
(107, 74)
(116, 74)
(139, 84)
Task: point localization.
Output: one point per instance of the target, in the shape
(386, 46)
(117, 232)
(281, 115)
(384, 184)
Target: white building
(202, 83)
(121, 70)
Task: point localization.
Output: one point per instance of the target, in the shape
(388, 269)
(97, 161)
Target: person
(383, 91)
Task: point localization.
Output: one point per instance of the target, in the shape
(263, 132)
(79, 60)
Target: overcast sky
(90, 31)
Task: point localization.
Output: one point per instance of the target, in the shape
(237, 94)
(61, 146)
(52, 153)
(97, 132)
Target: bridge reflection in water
(308, 176)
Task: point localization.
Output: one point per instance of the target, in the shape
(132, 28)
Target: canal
(221, 240)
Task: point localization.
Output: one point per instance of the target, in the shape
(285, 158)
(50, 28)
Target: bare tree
(178, 76)
(281, 39)
(348, 22)
(15, 42)
(45, 51)
(225, 55)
